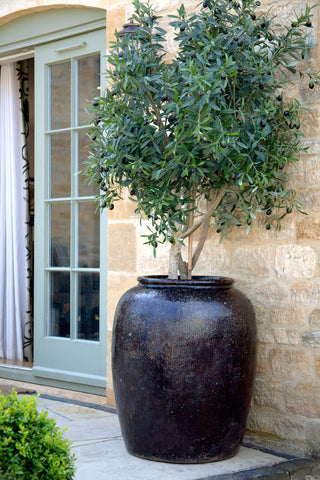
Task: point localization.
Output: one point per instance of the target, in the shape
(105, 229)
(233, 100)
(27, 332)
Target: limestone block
(287, 428)
(290, 428)
(108, 360)
(116, 18)
(294, 338)
(111, 402)
(312, 430)
(253, 260)
(314, 318)
(283, 8)
(280, 335)
(259, 235)
(147, 263)
(295, 261)
(121, 247)
(311, 339)
(162, 5)
(309, 228)
(303, 399)
(123, 209)
(265, 335)
(287, 231)
(262, 315)
(291, 364)
(117, 285)
(276, 315)
(310, 198)
(312, 166)
(310, 119)
(32, 3)
(296, 173)
(214, 260)
(109, 345)
(313, 145)
(304, 294)
(317, 366)
(287, 337)
(269, 393)
(268, 293)
(263, 362)
(261, 421)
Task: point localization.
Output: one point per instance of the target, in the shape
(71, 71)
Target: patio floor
(101, 454)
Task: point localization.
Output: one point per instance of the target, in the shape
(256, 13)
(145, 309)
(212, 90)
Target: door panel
(70, 311)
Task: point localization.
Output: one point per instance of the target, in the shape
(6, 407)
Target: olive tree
(205, 136)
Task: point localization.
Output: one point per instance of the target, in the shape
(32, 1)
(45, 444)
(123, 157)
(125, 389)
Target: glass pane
(60, 165)
(89, 81)
(60, 235)
(88, 306)
(84, 188)
(59, 305)
(89, 235)
(60, 95)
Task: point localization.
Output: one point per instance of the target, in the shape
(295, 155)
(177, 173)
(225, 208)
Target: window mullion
(74, 207)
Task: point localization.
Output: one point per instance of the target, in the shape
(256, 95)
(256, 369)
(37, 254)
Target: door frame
(18, 40)
(46, 347)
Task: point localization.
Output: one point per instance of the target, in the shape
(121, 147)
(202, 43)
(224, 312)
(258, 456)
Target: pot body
(183, 361)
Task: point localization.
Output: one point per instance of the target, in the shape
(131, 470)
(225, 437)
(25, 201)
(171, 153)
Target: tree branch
(209, 213)
(159, 118)
(190, 223)
(203, 236)
(183, 267)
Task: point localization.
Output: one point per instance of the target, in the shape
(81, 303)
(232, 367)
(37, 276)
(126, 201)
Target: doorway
(70, 317)
(68, 332)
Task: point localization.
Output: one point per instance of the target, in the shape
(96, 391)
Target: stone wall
(279, 271)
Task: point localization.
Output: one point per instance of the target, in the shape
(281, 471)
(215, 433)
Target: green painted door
(70, 286)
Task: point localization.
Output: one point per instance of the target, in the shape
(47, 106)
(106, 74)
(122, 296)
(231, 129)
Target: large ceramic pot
(183, 356)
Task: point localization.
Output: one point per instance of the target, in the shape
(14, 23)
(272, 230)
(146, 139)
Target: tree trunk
(177, 267)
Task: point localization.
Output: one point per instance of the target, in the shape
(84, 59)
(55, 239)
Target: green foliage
(216, 118)
(32, 446)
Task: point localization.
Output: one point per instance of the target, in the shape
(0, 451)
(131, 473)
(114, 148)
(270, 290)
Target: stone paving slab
(110, 461)
(101, 454)
(84, 424)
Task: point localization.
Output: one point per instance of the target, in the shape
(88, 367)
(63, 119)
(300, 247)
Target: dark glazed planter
(183, 357)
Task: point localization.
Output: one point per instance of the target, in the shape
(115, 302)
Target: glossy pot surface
(183, 359)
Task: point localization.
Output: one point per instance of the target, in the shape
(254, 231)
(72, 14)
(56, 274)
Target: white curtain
(13, 265)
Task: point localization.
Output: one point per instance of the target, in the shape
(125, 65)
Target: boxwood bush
(32, 447)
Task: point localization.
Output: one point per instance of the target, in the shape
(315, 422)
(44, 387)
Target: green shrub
(32, 447)
(216, 122)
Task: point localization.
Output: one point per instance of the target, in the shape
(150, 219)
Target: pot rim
(196, 281)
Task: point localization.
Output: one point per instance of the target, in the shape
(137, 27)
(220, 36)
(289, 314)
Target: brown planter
(183, 356)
